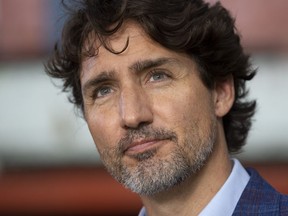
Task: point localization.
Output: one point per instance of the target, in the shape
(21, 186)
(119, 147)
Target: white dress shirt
(226, 199)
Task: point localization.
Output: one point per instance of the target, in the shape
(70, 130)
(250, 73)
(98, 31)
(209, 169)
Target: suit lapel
(258, 198)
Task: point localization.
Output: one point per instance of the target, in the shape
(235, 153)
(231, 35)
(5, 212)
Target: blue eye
(158, 76)
(103, 91)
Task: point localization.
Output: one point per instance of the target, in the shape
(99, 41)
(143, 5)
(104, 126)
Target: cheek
(176, 103)
(173, 112)
(185, 110)
(102, 130)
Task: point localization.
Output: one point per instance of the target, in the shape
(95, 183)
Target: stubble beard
(152, 174)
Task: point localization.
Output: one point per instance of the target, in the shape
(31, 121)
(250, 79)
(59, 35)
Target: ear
(224, 96)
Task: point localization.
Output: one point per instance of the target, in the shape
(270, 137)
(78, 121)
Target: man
(162, 87)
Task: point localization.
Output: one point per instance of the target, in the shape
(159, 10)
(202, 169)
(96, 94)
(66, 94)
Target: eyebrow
(102, 77)
(136, 67)
(140, 66)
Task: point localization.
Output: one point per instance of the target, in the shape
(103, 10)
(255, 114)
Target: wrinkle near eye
(102, 92)
(158, 76)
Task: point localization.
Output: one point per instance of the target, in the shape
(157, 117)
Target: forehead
(115, 42)
(140, 48)
(128, 32)
(127, 40)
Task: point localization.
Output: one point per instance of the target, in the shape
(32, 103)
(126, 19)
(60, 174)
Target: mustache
(145, 132)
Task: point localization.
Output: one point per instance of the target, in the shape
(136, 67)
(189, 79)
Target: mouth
(141, 146)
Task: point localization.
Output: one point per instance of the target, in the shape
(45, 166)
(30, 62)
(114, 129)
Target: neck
(192, 195)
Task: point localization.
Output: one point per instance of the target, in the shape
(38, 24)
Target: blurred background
(48, 161)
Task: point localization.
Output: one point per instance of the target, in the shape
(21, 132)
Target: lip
(143, 145)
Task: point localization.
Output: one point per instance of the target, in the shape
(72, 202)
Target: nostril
(140, 125)
(135, 116)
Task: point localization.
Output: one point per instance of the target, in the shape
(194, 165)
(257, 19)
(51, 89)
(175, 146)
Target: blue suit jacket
(260, 198)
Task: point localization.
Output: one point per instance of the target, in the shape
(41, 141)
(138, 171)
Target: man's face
(150, 115)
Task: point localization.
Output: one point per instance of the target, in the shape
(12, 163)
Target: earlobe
(224, 96)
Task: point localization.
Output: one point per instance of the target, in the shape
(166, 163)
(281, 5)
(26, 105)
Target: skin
(121, 93)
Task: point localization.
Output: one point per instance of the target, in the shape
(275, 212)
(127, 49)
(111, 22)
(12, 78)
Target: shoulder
(260, 198)
(284, 204)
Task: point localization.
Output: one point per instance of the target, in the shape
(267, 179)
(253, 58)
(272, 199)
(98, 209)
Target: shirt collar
(226, 199)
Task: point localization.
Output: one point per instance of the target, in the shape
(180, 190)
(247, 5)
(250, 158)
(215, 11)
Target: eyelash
(150, 75)
(158, 72)
(97, 91)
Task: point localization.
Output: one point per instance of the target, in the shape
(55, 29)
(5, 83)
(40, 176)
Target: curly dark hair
(205, 32)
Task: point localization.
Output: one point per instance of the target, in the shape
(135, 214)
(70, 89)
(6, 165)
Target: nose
(135, 108)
